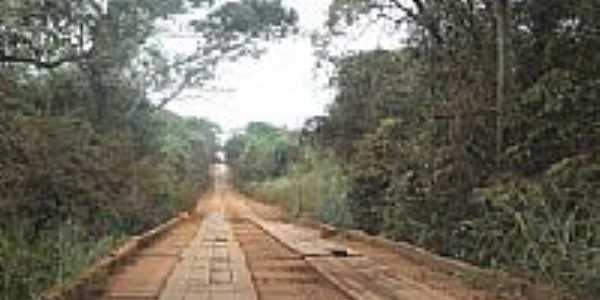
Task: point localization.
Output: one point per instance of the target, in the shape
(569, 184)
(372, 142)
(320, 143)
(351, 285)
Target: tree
(50, 34)
(501, 9)
(372, 86)
(505, 95)
(92, 155)
(228, 32)
(262, 152)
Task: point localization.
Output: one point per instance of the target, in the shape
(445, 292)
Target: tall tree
(114, 40)
(501, 10)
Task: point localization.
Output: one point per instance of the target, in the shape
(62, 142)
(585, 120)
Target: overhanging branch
(419, 18)
(44, 64)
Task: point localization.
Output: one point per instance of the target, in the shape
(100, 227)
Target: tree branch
(44, 64)
(409, 12)
(192, 73)
(182, 86)
(418, 17)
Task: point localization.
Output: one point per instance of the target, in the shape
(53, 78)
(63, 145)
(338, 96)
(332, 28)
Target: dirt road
(235, 248)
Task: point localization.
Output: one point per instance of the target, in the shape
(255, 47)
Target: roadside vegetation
(274, 165)
(478, 140)
(88, 154)
(70, 192)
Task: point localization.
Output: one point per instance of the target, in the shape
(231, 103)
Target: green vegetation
(88, 155)
(478, 140)
(273, 165)
(70, 191)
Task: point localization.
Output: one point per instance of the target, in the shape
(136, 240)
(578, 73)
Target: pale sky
(281, 87)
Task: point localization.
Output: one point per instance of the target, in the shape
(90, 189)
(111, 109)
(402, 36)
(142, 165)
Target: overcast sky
(281, 87)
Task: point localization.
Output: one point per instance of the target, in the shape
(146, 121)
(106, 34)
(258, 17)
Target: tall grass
(28, 266)
(316, 189)
(31, 261)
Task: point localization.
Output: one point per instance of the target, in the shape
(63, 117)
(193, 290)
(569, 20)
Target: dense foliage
(479, 139)
(275, 165)
(88, 155)
(261, 152)
(69, 189)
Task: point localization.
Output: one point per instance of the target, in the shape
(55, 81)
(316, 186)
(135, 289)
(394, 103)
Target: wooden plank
(307, 242)
(142, 279)
(213, 267)
(362, 278)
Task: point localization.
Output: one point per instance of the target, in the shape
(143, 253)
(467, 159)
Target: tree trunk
(501, 10)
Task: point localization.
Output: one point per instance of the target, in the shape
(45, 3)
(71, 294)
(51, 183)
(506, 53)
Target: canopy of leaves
(87, 155)
(116, 40)
(417, 132)
(48, 34)
(253, 18)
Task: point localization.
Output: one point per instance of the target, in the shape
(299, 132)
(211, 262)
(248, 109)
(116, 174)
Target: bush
(550, 227)
(69, 192)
